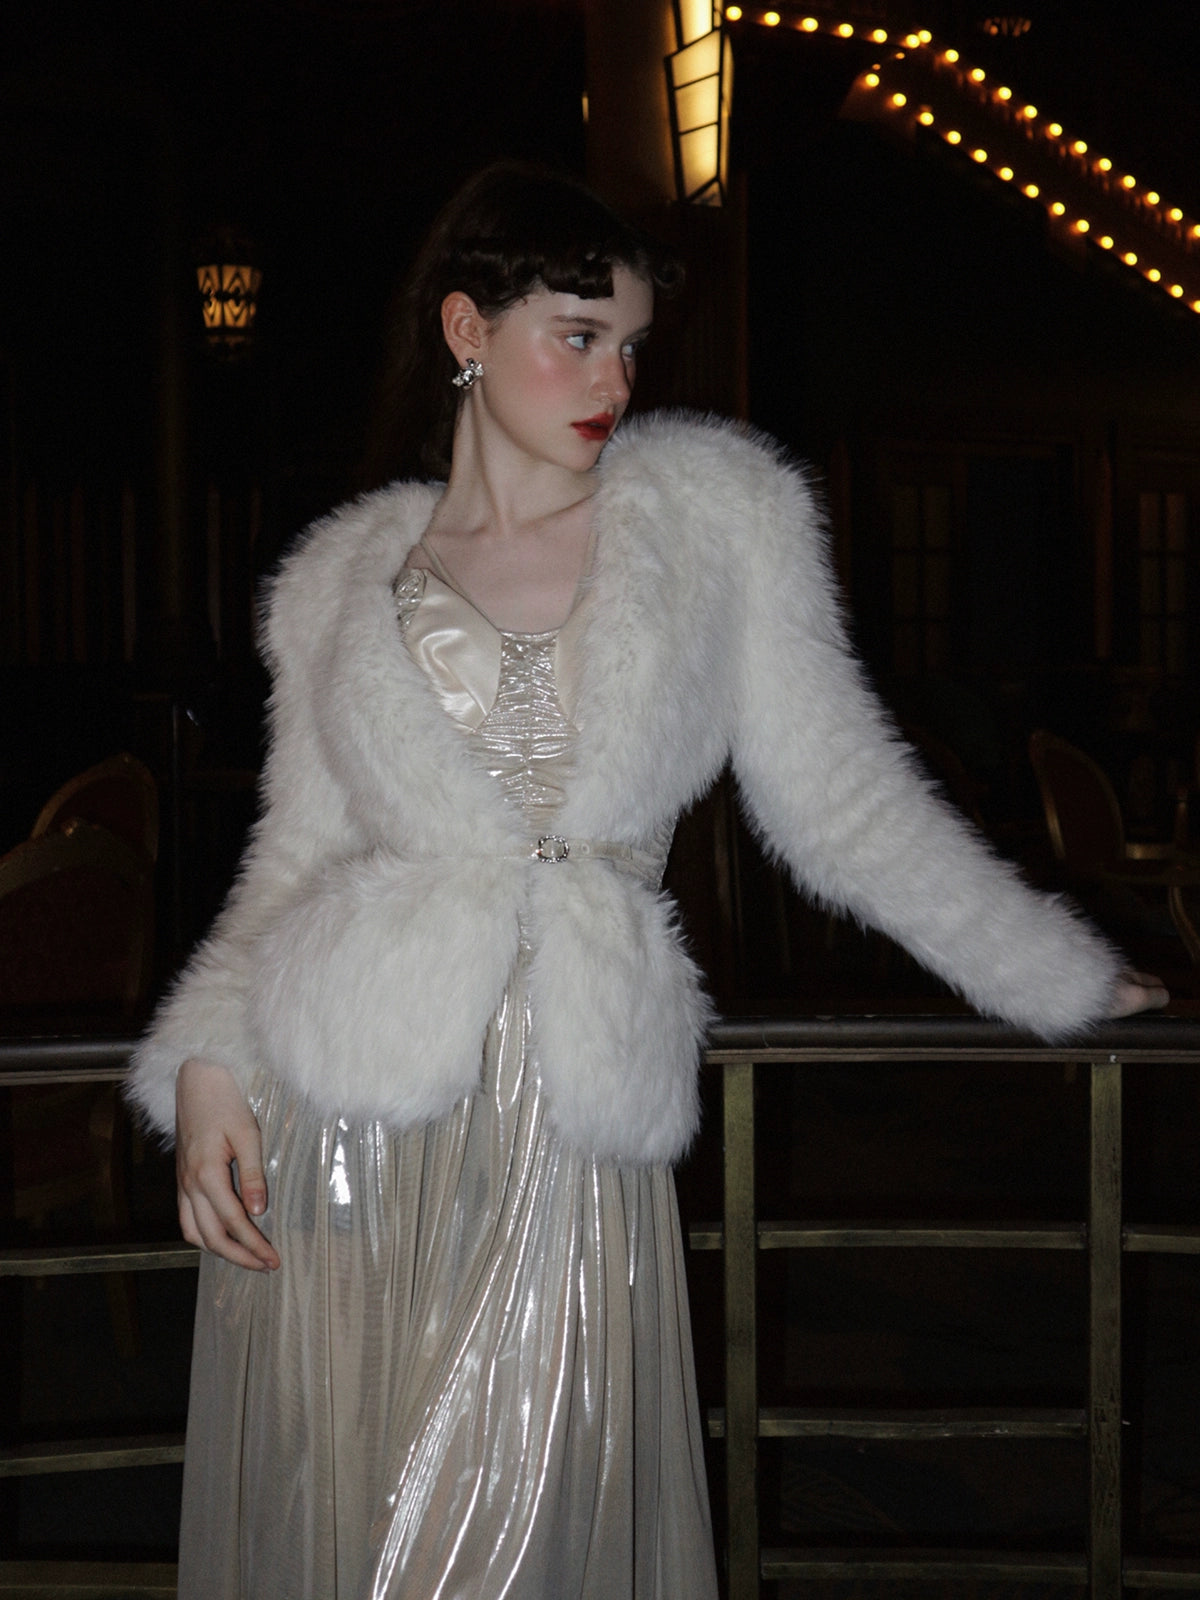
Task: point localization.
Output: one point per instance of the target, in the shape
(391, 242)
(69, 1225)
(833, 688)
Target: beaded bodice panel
(525, 738)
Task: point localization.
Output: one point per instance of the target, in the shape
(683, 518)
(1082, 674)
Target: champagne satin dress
(471, 1378)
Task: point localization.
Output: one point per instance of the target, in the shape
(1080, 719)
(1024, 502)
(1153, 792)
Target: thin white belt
(553, 848)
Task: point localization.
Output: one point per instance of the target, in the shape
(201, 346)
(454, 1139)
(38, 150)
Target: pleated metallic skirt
(471, 1378)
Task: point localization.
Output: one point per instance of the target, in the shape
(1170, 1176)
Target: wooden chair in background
(119, 794)
(1087, 835)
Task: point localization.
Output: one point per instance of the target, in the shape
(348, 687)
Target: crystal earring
(469, 376)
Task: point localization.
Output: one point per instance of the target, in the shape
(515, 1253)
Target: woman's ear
(463, 325)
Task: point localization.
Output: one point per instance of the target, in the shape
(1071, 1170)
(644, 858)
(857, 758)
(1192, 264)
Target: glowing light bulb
(872, 80)
(1058, 208)
(1105, 241)
(1054, 130)
(809, 24)
(880, 36)
(1130, 258)
(1177, 290)
(1003, 94)
(1082, 225)
(978, 155)
(1032, 190)
(1007, 174)
(954, 137)
(1104, 164)
(1195, 230)
(951, 56)
(771, 18)
(925, 118)
(1175, 214)
(845, 30)
(1196, 305)
(733, 13)
(911, 41)
(1152, 197)
(1129, 181)
(1154, 275)
(977, 74)
(1080, 147)
(899, 100)
(1029, 111)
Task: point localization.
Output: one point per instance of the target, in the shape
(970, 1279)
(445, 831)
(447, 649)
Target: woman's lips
(594, 428)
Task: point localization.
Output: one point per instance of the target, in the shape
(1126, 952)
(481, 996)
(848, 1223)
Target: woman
(445, 1025)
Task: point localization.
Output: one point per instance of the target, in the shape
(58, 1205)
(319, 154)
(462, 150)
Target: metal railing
(1100, 1564)
(738, 1049)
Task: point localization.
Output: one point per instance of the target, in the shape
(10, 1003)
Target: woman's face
(558, 370)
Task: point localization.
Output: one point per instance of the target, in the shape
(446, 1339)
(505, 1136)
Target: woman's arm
(837, 794)
(303, 821)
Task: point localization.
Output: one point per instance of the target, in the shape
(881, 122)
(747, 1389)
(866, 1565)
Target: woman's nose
(615, 380)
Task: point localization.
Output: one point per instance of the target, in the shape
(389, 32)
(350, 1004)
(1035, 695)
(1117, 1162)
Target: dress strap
(439, 567)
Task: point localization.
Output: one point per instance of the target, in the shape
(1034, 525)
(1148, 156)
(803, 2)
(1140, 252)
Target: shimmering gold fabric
(471, 1378)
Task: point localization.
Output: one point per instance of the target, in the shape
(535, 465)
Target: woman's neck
(496, 488)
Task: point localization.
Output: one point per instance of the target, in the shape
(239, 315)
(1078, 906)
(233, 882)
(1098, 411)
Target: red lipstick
(597, 428)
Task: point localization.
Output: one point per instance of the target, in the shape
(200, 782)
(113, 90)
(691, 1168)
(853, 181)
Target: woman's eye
(631, 351)
(579, 341)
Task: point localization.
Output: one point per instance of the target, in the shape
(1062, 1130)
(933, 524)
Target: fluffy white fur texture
(374, 925)
(619, 1015)
(396, 966)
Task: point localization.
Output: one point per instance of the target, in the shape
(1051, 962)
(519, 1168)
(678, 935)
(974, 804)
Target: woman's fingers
(226, 1231)
(201, 1226)
(215, 1127)
(246, 1140)
(1136, 991)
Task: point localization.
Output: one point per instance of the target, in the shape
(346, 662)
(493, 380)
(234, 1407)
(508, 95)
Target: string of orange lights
(932, 87)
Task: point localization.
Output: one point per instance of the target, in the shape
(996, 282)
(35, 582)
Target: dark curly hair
(510, 229)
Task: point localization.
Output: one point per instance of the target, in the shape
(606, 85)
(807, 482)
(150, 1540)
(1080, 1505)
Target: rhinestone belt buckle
(552, 847)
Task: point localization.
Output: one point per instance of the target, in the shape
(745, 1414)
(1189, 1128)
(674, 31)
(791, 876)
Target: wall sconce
(1010, 25)
(699, 93)
(229, 283)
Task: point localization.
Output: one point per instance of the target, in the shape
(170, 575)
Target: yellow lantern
(229, 283)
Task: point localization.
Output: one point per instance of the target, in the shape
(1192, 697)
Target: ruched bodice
(502, 688)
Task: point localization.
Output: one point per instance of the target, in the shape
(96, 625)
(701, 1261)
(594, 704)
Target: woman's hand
(1135, 992)
(214, 1126)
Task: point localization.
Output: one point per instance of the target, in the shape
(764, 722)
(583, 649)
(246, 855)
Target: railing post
(1104, 1332)
(741, 1353)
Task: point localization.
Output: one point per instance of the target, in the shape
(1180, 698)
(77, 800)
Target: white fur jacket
(374, 926)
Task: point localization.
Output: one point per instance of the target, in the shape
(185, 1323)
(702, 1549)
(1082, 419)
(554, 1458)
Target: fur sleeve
(836, 793)
(302, 821)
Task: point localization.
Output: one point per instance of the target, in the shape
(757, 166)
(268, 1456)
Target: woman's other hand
(214, 1126)
(1134, 992)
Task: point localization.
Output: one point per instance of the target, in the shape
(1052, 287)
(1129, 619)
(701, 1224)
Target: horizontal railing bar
(63, 1260)
(87, 1580)
(912, 1235)
(785, 1422)
(90, 1455)
(1160, 1572)
(1161, 1239)
(964, 1422)
(66, 1058)
(928, 1235)
(75, 1058)
(896, 1037)
(706, 1236)
(863, 1565)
